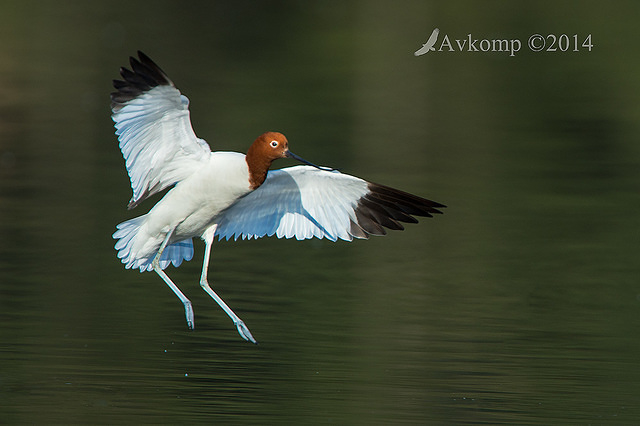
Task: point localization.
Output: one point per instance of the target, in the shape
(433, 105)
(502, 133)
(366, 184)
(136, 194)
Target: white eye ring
(274, 144)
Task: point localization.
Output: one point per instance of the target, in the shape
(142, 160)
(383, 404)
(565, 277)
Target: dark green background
(521, 305)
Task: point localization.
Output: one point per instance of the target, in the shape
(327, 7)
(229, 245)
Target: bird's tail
(126, 234)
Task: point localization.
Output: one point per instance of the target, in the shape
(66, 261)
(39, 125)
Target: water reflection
(519, 305)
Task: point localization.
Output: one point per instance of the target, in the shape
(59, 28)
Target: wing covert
(304, 202)
(154, 130)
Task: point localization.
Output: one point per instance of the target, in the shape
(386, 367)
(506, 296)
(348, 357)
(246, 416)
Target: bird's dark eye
(274, 144)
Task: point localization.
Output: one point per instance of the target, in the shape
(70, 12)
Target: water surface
(520, 305)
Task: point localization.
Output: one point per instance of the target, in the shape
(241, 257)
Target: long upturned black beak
(302, 160)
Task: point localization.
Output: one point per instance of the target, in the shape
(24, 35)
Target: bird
(228, 195)
(429, 45)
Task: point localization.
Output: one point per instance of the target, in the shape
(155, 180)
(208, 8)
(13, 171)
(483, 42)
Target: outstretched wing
(153, 126)
(304, 202)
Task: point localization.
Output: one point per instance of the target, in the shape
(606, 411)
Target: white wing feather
(301, 202)
(155, 134)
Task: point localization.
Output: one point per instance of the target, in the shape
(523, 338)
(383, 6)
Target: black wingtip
(143, 76)
(385, 207)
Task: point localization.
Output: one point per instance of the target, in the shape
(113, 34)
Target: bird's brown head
(268, 147)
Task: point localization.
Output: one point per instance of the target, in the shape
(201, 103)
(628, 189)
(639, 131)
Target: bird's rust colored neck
(258, 166)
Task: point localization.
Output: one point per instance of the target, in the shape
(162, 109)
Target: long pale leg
(242, 328)
(188, 310)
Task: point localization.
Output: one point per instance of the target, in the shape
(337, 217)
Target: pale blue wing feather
(157, 141)
(154, 130)
(297, 202)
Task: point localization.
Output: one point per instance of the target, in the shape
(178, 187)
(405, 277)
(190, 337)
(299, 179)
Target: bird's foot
(188, 313)
(244, 332)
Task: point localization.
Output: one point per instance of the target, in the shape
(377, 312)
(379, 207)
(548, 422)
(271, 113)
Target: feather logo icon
(429, 45)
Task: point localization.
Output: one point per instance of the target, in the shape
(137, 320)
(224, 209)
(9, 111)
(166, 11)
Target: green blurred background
(520, 305)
